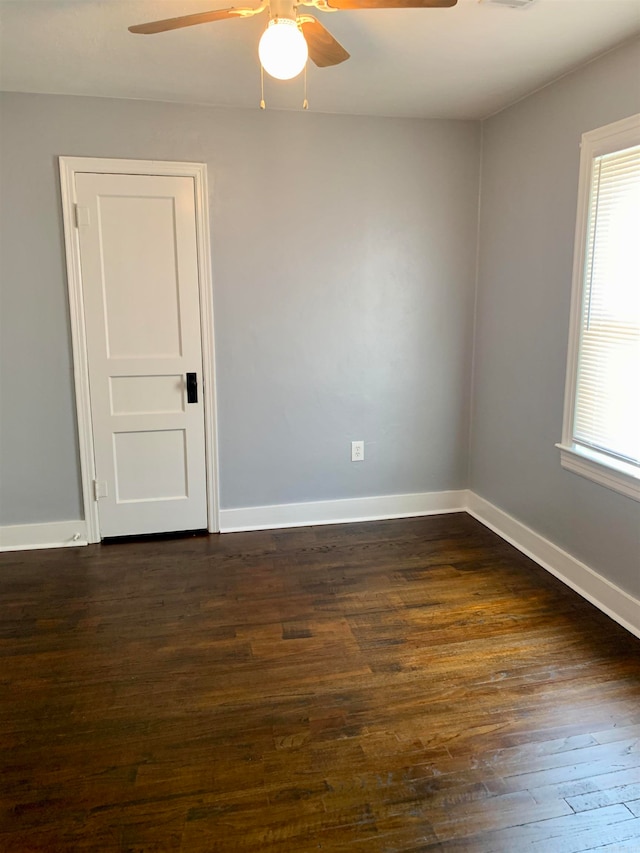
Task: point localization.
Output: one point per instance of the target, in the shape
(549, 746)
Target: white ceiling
(464, 62)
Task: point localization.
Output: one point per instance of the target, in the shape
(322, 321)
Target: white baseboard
(52, 534)
(606, 596)
(341, 511)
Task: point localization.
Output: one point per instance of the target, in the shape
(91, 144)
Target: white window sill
(617, 475)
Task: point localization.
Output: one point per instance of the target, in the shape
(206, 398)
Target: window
(601, 431)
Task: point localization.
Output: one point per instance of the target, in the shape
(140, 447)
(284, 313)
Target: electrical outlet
(357, 451)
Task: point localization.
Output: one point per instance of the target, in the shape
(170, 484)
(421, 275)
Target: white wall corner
(341, 511)
(52, 534)
(606, 596)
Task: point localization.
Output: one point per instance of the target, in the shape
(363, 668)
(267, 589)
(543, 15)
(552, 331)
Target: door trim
(69, 167)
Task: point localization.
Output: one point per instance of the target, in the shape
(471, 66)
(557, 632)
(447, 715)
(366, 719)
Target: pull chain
(305, 103)
(263, 106)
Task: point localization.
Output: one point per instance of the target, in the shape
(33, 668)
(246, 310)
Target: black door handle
(192, 387)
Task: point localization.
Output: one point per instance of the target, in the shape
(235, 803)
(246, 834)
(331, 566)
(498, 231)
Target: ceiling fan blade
(390, 4)
(187, 21)
(324, 50)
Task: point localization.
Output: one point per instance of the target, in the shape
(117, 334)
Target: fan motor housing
(511, 4)
(282, 9)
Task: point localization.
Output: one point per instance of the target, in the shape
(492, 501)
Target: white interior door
(139, 268)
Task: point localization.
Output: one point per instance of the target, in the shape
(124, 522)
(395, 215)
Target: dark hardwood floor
(412, 685)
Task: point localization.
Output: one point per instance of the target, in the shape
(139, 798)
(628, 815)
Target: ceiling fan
(291, 36)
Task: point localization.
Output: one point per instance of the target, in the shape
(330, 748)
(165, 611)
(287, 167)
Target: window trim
(575, 457)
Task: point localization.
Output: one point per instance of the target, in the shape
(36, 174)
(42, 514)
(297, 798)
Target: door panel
(139, 270)
(147, 395)
(138, 257)
(138, 477)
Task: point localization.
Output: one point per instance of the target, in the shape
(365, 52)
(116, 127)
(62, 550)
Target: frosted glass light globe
(283, 49)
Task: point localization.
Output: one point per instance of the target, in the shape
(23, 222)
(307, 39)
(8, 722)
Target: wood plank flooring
(410, 685)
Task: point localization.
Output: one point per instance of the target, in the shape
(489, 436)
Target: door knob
(192, 387)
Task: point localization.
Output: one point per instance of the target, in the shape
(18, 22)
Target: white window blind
(607, 401)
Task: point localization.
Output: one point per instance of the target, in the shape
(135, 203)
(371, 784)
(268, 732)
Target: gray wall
(344, 263)
(527, 223)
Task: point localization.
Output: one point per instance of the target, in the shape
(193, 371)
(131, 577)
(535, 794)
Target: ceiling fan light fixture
(283, 49)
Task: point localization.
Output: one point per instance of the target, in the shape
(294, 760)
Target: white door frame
(69, 167)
